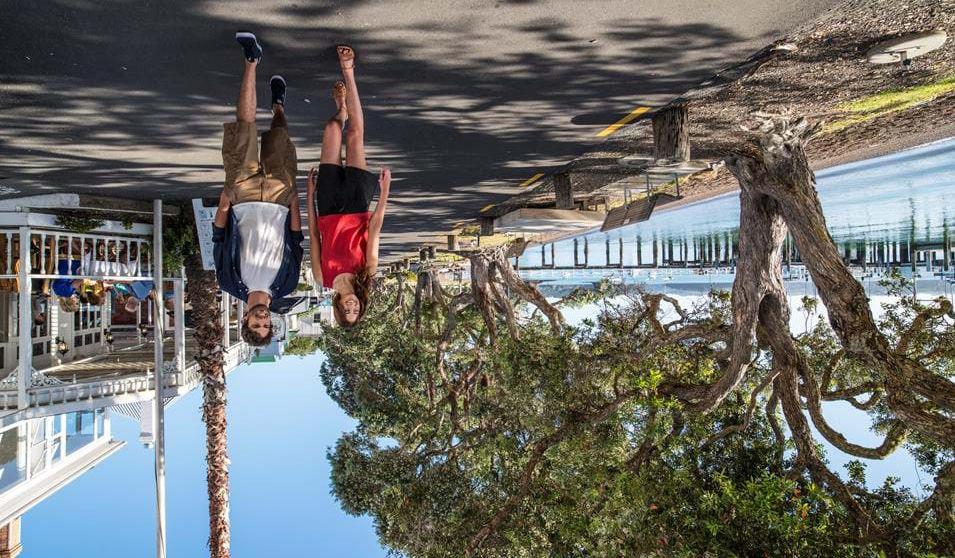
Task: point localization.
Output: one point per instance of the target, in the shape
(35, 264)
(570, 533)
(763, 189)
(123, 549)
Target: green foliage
(303, 287)
(178, 240)
(447, 438)
(810, 307)
(583, 296)
(78, 222)
(890, 101)
(302, 346)
(127, 222)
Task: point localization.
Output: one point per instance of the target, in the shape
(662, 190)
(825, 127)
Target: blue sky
(281, 423)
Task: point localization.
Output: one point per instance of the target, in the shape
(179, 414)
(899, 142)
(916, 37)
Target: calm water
(907, 196)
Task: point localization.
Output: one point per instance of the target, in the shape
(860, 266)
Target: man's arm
(376, 222)
(218, 233)
(314, 236)
(222, 211)
(296, 222)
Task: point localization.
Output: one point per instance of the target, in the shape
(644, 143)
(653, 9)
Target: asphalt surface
(464, 100)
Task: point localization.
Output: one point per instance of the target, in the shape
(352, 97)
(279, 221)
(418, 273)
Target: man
(257, 232)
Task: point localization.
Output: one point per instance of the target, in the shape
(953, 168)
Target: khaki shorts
(251, 177)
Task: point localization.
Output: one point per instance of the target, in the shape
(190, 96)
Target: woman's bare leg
(355, 134)
(332, 136)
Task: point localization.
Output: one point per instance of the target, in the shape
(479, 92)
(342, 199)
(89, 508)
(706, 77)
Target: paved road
(465, 100)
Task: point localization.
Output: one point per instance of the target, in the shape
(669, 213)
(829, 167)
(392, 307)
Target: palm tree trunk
(202, 288)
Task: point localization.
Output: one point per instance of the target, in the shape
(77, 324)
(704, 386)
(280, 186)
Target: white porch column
(180, 318)
(107, 318)
(226, 307)
(62, 419)
(23, 444)
(158, 399)
(25, 322)
(107, 423)
(239, 312)
(139, 320)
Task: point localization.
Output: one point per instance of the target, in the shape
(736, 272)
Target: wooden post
(913, 257)
(180, 330)
(947, 250)
(564, 191)
(671, 138)
(487, 226)
(452, 242)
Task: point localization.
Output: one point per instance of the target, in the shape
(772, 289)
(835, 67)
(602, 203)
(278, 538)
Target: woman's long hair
(362, 284)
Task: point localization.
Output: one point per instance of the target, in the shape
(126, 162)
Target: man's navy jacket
(227, 245)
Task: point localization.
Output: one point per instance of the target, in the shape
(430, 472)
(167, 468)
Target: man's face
(351, 307)
(260, 319)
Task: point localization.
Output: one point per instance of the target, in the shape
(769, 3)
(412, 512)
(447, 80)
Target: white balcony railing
(175, 381)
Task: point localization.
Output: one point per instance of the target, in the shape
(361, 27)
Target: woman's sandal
(339, 92)
(346, 63)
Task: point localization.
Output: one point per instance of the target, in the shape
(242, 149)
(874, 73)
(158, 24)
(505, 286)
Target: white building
(55, 418)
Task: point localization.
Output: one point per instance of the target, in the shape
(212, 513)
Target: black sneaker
(278, 90)
(250, 45)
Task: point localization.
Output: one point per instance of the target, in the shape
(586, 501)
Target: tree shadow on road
(131, 98)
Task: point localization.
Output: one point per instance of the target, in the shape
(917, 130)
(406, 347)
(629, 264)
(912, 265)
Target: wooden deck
(636, 211)
(123, 362)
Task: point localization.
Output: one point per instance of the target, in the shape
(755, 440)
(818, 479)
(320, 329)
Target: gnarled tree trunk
(775, 167)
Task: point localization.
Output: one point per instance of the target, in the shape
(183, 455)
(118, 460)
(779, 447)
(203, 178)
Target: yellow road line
(532, 180)
(634, 114)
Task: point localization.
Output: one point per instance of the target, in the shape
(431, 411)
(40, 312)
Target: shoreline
(891, 147)
(897, 145)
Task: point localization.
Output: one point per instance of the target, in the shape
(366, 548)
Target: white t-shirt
(262, 230)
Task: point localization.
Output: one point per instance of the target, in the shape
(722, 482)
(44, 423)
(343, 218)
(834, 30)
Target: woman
(344, 234)
(72, 292)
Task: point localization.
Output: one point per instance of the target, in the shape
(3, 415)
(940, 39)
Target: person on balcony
(72, 292)
(344, 234)
(257, 232)
(130, 295)
(38, 287)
